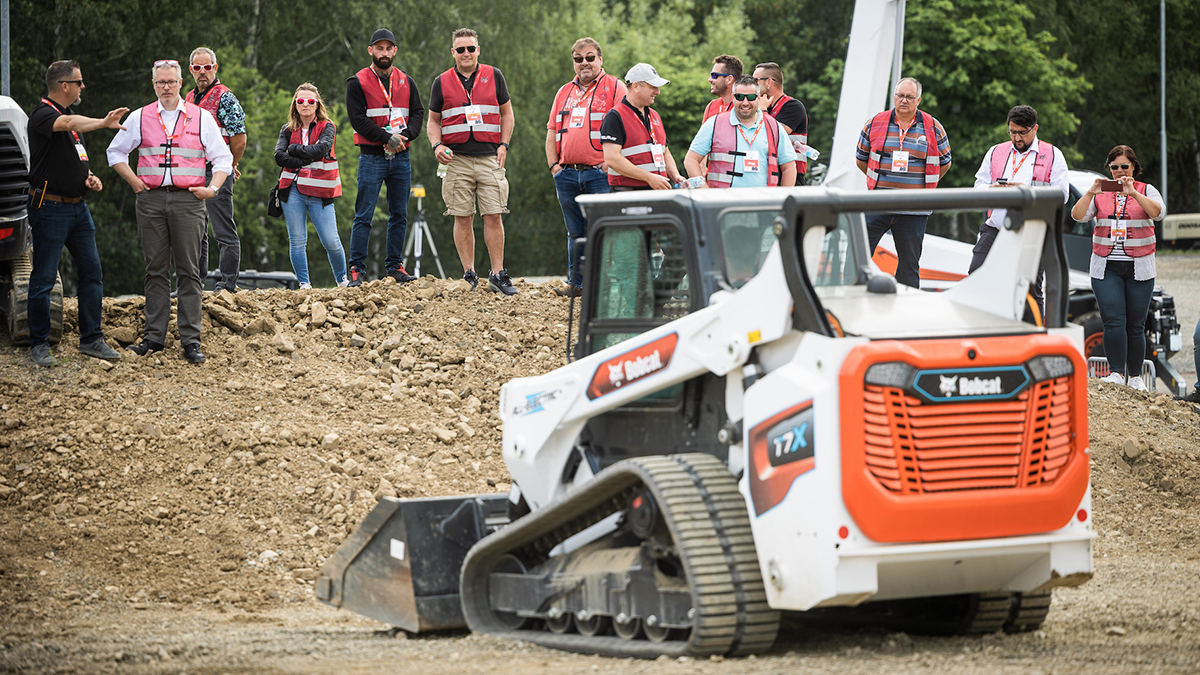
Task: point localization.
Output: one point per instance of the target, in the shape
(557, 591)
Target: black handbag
(274, 207)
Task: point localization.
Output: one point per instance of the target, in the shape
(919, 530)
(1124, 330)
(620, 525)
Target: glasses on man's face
(906, 97)
(589, 58)
(468, 48)
(714, 75)
(206, 67)
(760, 79)
(165, 83)
(74, 82)
(1019, 133)
(1122, 167)
(306, 101)
(745, 97)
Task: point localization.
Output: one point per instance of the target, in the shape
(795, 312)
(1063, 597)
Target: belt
(39, 195)
(170, 188)
(579, 167)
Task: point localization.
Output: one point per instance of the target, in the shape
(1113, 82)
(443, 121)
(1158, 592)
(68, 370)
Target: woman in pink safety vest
(310, 182)
(1122, 267)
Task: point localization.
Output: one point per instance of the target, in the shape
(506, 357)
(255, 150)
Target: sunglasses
(76, 82)
(745, 97)
(1114, 167)
(468, 48)
(166, 62)
(206, 67)
(306, 101)
(589, 58)
(713, 76)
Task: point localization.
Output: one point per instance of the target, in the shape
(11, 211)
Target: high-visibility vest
(599, 102)
(183, 153)
(1042, 162)
(383, 106)
(454, 109)
(320, 178)
(801, 158)
(637, 145)
(212, 103)
(878, 135)
(716, 107)
(722, 156)
(1139, 228)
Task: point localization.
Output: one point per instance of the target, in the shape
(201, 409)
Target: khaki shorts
(467, 177)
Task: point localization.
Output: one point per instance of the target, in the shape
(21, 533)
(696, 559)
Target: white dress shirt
(130, 138)
(1024, 174)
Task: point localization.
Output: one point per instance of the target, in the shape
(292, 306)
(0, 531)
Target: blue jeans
(569, 184)
(296, 211)
(1123, 305)
(55, 225)
(373, 172)
(908, 232)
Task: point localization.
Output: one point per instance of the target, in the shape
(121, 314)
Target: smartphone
(1110, 186)
(1001, 181)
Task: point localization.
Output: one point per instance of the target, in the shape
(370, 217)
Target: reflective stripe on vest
(184, 156)
(1043, 162)
(1139, 228)
(801, 158)
(212, 103)
(455, 100)
(319, 178)
(877, 136)
(377, 103)
(638, 142)
(721, 159)
(598, 106)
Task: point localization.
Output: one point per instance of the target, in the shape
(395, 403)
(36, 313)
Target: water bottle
(442, 169)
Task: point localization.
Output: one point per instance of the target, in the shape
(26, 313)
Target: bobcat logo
(616, 374)
(949, 384)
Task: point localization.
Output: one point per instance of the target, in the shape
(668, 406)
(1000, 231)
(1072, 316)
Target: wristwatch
(505, 145)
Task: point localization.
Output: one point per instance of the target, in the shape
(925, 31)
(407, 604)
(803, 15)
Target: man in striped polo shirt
(894, 152)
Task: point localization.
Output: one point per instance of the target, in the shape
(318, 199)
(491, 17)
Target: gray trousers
(220, 214)
(170, 225)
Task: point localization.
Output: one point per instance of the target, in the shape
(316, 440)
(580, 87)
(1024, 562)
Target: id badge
(751, 162)
(397, 124)
(660, 160)
(1119, 231)
(577, 116)
(82, 152)
(900, 161)
(474, 116)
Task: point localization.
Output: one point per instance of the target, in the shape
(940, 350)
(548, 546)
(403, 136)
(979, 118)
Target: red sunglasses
(306, 101)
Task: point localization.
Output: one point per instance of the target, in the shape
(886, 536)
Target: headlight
(897, 374)
(1050, 367)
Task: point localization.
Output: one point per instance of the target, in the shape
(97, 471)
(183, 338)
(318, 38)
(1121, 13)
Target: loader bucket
(401, 565)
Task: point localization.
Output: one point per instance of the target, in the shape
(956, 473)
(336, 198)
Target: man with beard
(744, 147)
(634, 139)
(386, 113)
(573, 148)
(223, 105)
(1022, 160)
(725, 70)
(786, 110)
(58, 179)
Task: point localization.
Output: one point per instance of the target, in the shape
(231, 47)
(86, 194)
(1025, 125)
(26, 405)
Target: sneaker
(192, 353)
(99, 349)
(42, 355)
(570, 291)
(499, 282)
(306, 286)
(145, 347)
(1193, 397)
(471, 278)
(1115, 378)
(400, 275)
(1138, 384)
(355, 278)
(343, 283)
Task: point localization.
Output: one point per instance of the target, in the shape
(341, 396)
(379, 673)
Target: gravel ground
(1179, 275)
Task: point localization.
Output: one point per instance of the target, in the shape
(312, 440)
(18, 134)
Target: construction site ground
(159, 517)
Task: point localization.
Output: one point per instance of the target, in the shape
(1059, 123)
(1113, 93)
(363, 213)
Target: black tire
(16, 302)
(1093, 334)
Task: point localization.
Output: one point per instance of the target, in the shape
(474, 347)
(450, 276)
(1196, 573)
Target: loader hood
(911, 315)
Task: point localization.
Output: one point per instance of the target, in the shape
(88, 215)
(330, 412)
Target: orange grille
(914, 447)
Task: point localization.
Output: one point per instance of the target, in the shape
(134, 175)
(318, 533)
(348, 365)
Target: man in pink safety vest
(174, 139)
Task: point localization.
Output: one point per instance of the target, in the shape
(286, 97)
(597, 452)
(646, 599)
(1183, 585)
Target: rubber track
(1010, 612)
(17, 302)
(707, 518)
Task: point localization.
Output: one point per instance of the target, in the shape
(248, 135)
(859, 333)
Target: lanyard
(1018, 166)
(1123, 202)
(575, 98)
(904, 130)
(60, 111)
(750, 141)
(458, 78)
(721, 107)
(387, 93)
(170, 138)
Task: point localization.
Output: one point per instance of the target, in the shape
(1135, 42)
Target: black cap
(382, 34)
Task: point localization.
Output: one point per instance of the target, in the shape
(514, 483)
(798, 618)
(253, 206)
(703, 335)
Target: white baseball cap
(644, 72)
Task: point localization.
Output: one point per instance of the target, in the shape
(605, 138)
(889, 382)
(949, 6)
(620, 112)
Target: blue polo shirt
(702, 145)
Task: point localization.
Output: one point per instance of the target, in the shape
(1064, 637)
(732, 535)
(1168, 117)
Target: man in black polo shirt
(58, 216)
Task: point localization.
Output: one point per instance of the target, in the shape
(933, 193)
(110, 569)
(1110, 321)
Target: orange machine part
(887, 261)
(914, 471)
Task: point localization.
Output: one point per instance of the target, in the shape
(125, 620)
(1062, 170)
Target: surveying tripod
(418, 232)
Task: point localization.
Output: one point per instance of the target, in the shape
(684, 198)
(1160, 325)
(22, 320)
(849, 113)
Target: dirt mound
(157, 481)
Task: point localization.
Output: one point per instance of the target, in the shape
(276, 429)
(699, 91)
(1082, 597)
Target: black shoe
(144, 347)
(41, 355)
(192, 353)
(1193, 397)
(100, 350)
(571, 291)
(500, 283)
(471, 278)
(355, 277)
(400, 275)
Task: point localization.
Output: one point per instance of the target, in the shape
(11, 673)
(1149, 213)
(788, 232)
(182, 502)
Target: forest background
(1090, 67)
